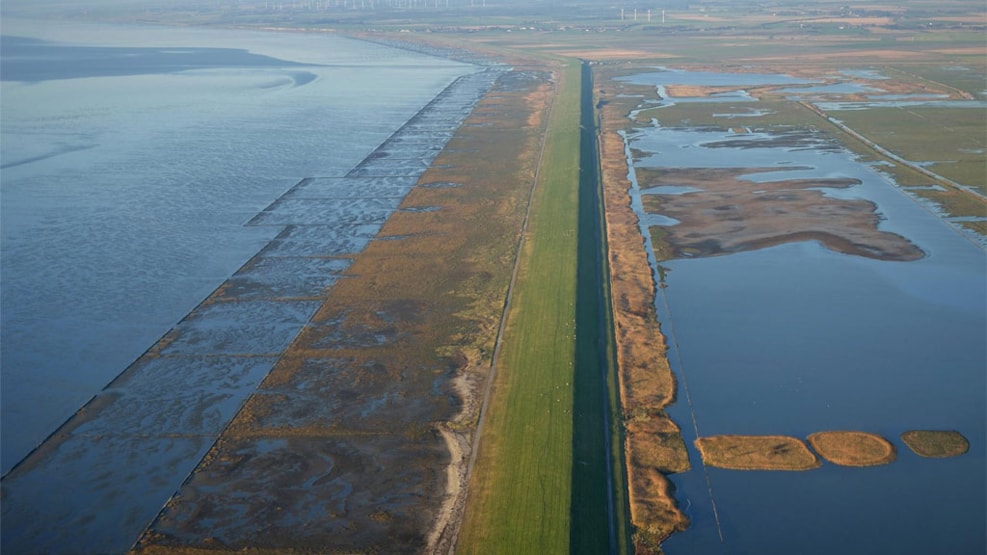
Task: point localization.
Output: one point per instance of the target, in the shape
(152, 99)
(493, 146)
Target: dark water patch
(422, 209)
(302, 78)
(33, 60)
(40, 157)
(295, 79)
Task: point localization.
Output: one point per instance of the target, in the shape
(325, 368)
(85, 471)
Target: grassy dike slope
(519, 500)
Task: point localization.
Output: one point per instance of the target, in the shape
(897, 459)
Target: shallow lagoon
(797, 339)
(809, 340)
(124, 196)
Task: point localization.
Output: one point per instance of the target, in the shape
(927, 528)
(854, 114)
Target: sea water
(132, 157)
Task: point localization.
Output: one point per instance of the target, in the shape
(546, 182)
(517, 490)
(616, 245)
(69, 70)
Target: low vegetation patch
(853, 448)
(661, 450)
(653, 445)
(520, 490)
(740, 452)
(936, 443)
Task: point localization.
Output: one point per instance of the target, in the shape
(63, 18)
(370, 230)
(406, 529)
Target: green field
(957, 153)
(520, 498)
(541, 481)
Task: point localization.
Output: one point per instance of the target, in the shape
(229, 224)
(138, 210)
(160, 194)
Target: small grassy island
(853, 448)
(936, 443)
(741, 452)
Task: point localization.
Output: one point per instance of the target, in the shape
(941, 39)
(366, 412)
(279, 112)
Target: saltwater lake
(796, 339)
(131, 159)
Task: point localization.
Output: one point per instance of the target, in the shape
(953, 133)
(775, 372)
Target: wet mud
(306, 492)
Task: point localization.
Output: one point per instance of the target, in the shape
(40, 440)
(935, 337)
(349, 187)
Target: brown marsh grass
(653, 445)
(742, 452)
(936, 443)
(853, 448)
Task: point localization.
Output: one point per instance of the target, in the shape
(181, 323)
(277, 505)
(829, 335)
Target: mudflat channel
(800, 291)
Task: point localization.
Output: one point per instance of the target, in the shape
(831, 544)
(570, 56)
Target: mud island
(724, 213)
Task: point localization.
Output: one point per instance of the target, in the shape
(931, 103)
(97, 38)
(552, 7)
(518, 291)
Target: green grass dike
(540, 483)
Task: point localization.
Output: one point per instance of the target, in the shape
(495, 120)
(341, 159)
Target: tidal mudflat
(127, 450)
(359, 440)
(175, 401)
(802, 291)
(125, 194)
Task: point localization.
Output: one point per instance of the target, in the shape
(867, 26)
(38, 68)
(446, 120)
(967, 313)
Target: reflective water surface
(796, 339)
(132, 158)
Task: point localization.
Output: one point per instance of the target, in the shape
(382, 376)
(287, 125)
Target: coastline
(131, 206)
(431, 213)
(105, 408)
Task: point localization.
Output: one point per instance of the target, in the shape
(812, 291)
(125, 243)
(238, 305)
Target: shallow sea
(132, 157)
